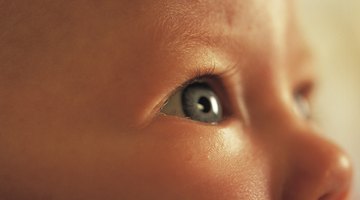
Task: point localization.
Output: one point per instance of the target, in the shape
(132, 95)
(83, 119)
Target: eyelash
(210, 72)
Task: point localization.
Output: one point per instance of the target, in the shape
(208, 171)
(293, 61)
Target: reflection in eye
(302, 106)
(196, 101)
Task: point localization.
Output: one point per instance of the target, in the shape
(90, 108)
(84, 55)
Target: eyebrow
(183, 32)
(171, 33)
(181, 35)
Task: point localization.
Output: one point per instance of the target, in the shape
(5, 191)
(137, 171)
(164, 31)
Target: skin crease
(82, 84)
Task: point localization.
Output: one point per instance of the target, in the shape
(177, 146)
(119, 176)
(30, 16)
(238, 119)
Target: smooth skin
(83, 83)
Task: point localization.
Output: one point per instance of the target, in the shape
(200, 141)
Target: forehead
(216, 23)
(166, 22)
(126, 26)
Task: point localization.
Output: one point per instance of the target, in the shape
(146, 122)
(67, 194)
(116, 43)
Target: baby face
(192, 99)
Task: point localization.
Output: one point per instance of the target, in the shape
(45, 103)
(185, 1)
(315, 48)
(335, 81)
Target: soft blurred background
(332, 27)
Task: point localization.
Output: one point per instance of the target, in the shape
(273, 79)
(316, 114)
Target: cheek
(188, 161)
(171, 159)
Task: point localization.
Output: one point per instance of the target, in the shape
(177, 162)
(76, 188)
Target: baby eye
(302, 105)
(197, 101)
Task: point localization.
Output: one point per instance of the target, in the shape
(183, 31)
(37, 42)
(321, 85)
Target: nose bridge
(317, 169)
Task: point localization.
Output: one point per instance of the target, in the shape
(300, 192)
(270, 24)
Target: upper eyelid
(306, 87)
(203, 73)
(231, 70)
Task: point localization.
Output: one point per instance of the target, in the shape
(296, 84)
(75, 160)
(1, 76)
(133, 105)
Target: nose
(317, 169)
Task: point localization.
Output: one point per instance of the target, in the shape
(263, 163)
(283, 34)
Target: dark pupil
(204, 104)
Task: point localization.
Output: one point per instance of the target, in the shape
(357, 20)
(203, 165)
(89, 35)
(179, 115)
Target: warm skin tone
(82, 85)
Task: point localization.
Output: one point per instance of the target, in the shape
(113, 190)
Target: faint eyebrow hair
(182, 31)
(180, 27)
(183, 37)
